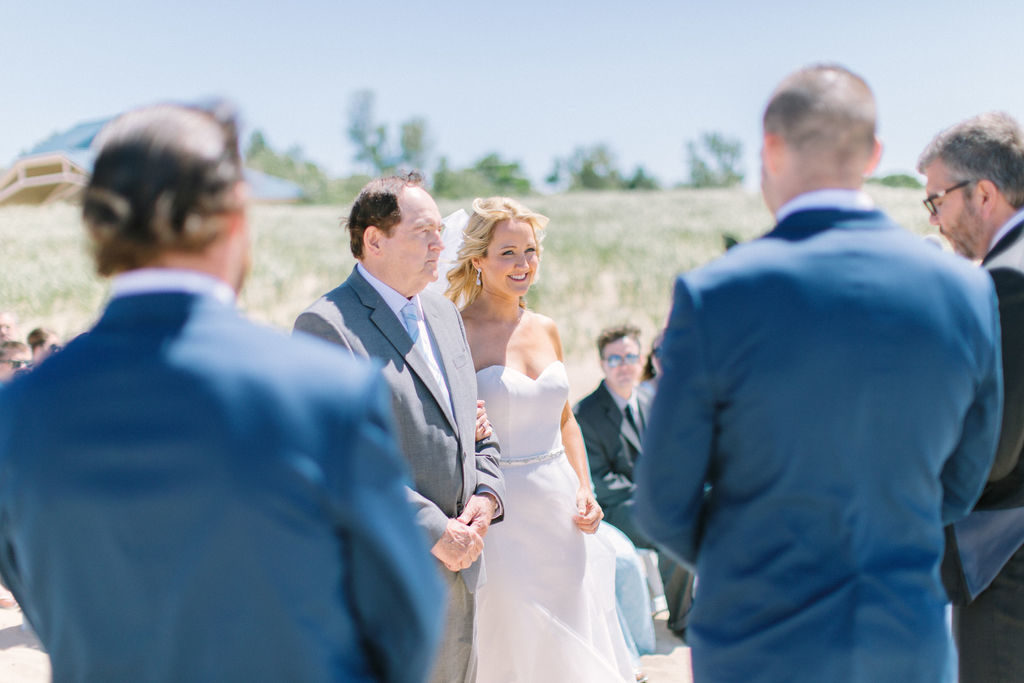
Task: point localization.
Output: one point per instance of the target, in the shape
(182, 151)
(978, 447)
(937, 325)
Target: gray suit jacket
(447, 465)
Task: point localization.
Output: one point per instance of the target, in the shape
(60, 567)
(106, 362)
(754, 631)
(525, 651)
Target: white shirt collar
(395, 301)
(622, 402)
(856, 200)
(153, 280)
(1007, 227)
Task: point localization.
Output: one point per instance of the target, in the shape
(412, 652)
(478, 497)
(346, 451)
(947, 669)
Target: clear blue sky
(531, 80)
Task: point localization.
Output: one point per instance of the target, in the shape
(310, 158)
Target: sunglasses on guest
(615, 360)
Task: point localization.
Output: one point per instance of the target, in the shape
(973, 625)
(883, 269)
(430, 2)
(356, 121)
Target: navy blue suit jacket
(831, 396)
(187, 496)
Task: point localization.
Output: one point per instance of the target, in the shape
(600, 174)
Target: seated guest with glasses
(612, 419)
(15, 356)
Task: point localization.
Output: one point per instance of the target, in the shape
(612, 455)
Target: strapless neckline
(520, 372)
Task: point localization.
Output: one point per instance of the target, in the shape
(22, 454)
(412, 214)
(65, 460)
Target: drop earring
(478, 283)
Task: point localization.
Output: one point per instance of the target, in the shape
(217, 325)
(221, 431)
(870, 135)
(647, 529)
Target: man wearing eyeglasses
(830, 400)
(975, 188)
(612, 419)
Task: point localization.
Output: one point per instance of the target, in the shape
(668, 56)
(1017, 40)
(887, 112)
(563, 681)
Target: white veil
(452, 235)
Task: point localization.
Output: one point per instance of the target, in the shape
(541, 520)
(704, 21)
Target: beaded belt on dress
(532, 459)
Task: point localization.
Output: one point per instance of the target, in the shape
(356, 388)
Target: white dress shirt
(155, 280)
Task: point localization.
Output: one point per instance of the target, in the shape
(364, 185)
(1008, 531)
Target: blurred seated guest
(231, 497)
(632, 599)
(14, 356)
(612, 420)
(652, 368)
(43, 342)
(8, 326)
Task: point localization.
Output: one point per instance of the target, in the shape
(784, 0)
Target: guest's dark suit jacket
(1005, 263)
(989, 625)
(187, 496)
(612, 447)
(831, 397)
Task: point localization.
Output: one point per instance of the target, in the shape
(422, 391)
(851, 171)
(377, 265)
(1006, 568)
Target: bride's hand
(588, 513)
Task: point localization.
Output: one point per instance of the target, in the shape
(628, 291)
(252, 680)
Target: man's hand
(479, 512)
(483, 425)
(459, 545)
(588, 513)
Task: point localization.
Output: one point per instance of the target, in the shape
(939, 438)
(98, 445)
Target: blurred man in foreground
(183, 496)
(831, 398)
(975, 192)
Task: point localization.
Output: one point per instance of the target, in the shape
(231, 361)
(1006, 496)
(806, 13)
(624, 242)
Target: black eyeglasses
(615, 360)
(929, 201)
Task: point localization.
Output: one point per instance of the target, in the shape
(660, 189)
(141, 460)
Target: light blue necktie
(411, 318)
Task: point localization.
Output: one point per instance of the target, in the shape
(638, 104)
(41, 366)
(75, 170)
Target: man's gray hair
(989, 146)
(825, 110)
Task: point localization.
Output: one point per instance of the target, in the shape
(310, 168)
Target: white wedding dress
(547, 610)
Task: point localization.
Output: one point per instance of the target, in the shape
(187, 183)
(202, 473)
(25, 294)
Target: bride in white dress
(547, 611)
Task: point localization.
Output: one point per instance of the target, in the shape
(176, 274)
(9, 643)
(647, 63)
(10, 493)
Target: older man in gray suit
(382, 311)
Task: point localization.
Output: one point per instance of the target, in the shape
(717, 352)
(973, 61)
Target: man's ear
(772, 152)
(986, 195)
(372, 237)
(876, 157)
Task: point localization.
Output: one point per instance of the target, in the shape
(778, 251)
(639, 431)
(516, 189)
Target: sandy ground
(22, 660)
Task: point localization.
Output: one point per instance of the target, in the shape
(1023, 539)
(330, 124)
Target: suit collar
(392, 329)
(812, 221)
(618, 417)
(829, 199)
(1005, 242)
(159, 313)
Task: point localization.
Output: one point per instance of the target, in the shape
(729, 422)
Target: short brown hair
(161, 172)
(611, 334)
(825, 110)
(377, 204)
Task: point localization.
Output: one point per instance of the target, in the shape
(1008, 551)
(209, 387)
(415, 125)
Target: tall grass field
(608, 258)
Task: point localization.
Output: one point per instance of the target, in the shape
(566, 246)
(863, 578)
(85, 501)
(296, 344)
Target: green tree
(641, 181)
(317, 186)
(714, 161)
(488, 176)
(897, 180)
(372, 140)
(588, 168)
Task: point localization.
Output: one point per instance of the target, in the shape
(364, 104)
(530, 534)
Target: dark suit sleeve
(604, 449)
(1009, 286)
(678, 444)
(967, 469)
(393, 586)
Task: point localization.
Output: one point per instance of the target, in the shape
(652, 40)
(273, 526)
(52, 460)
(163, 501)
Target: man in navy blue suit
(831, 397)
(187, 496)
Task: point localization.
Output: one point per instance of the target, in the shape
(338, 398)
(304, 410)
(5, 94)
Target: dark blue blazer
(831, 397)
(187, 496)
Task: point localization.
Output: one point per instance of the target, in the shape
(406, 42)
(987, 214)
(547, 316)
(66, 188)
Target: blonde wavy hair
(487, 213)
